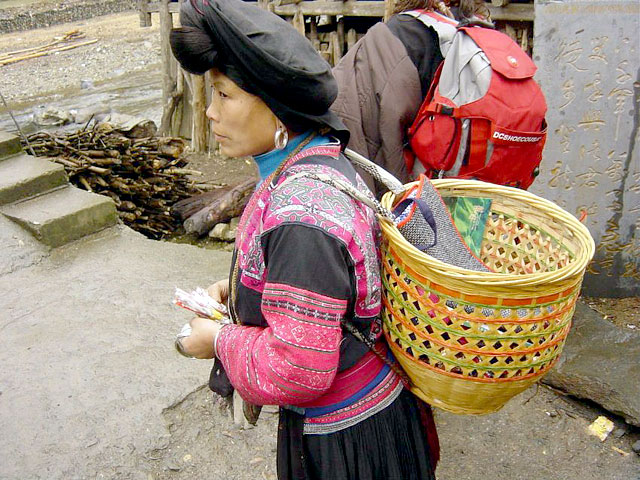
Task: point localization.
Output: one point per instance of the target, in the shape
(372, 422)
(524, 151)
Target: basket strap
(353, 330)
(376, 171)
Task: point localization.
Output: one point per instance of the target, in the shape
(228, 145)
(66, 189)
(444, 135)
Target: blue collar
(268, 162)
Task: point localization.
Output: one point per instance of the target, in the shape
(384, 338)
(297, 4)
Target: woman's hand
(219, 291)
(200, 343)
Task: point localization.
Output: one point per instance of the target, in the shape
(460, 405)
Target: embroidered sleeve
(308, 291)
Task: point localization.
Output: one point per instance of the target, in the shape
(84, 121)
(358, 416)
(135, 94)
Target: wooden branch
(224, 208)
(42, 54)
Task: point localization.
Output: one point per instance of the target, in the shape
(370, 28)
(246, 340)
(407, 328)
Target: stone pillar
(588, 57)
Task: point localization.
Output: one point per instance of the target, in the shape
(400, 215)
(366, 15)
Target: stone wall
(34, 16)
(589, 68)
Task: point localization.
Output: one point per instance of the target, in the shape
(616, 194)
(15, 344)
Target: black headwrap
(263, 55)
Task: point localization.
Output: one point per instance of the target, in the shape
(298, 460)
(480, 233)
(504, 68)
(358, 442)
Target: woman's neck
(268, 162)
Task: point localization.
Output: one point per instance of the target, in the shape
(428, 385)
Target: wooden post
(499, 3)
(178, 112)
(334, 48)
(145, 16)
(313, 32)
(509, 30)
(341, 38)
(352, 38)
(524, 41)
(169, 68)
(298, 22)
(388, 9)
(200, 123)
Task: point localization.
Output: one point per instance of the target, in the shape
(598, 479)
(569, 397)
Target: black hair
(194, 49)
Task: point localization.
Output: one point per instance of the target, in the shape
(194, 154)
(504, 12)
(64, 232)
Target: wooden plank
(321, 7)
(154, 7)
(512, 12)
(515, 12)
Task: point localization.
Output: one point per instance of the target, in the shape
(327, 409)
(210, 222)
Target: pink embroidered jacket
(308, 259)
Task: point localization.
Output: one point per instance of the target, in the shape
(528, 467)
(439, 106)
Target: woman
(306, 260)
(384, 78)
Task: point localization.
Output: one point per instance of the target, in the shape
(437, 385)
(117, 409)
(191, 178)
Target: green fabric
(470, 217)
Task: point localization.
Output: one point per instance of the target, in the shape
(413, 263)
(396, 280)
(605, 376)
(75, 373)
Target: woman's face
(242, 123)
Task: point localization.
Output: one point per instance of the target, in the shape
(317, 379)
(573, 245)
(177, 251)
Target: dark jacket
(382, 81)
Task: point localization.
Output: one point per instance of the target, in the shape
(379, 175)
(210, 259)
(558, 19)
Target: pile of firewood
(144, 176)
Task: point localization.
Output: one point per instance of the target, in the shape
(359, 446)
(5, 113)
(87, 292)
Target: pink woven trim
(350, 381)
(331, 150)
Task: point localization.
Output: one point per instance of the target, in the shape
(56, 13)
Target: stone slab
(588, 58)
(63, 215)
(23, 176)
(9, 144)
(600, 362)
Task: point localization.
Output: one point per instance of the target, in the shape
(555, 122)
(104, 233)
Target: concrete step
(63, 215)
(9, 144)
(23, 176)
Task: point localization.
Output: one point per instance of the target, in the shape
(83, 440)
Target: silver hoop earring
(281, 138)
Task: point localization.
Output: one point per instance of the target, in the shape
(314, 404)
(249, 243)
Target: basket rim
(575, 268)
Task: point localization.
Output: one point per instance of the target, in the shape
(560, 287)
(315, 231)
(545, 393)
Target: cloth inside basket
(423, 218)
(470, 216)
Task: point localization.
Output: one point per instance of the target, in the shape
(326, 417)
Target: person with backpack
(305, 286)
(476, 114)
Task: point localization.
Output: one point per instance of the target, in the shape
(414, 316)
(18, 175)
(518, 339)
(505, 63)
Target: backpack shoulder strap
(444, 26)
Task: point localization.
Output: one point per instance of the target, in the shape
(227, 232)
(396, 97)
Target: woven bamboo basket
(470, 340)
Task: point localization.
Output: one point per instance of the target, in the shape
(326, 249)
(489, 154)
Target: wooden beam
(516, 12)
(522, 12)
(323, 7)
(512, 12)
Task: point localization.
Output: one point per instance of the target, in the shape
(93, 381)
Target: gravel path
(123, 48)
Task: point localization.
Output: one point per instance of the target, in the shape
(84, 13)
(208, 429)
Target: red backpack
(483, 117)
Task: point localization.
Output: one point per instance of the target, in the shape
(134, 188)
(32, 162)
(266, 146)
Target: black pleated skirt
(390, 445)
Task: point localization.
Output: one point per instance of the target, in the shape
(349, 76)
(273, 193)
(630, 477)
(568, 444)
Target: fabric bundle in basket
(425, 222)
(471, 339)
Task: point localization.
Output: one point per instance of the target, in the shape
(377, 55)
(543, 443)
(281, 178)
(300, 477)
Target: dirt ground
(623, 312)
(539, 435)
